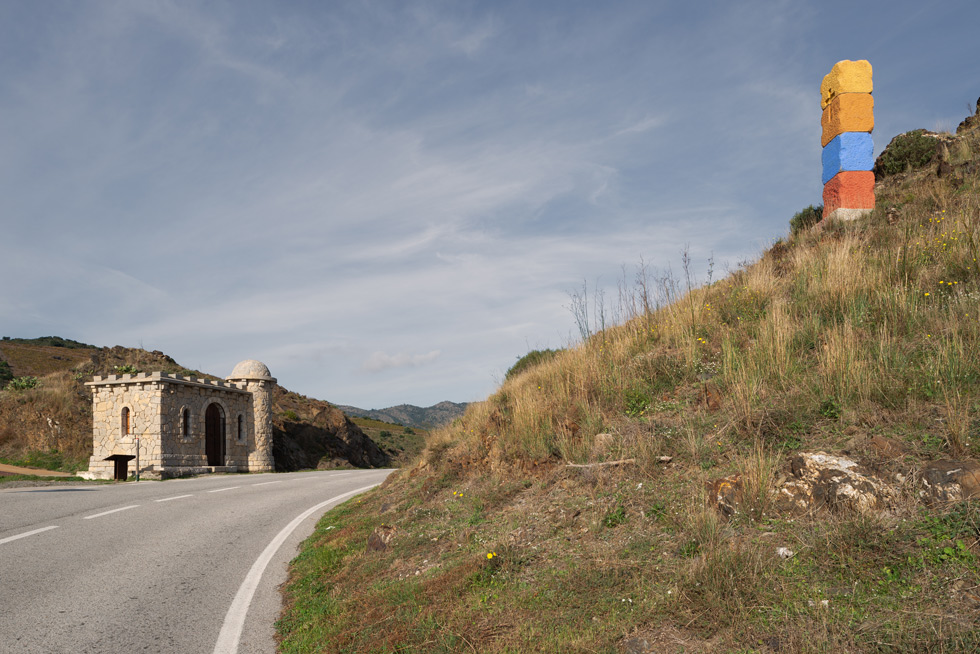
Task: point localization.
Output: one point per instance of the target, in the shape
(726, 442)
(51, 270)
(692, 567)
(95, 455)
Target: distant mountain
(409, 415)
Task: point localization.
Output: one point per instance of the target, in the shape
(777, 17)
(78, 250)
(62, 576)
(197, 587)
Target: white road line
(99, 515)
(175, 497)
(266, 483)
(218, 490)
(231, 629)
(26, 534)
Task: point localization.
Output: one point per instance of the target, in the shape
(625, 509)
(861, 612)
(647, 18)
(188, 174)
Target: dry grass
(847, 331)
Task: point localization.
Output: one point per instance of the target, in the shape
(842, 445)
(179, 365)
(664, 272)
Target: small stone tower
(258, 380)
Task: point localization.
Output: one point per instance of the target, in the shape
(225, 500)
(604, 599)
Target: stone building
(168, 425)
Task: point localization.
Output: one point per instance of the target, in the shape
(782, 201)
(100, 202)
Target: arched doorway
(214, 435)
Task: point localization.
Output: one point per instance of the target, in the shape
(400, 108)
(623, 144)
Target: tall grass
(849, 320)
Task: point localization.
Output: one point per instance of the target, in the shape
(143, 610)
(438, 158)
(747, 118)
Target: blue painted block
(849, 151)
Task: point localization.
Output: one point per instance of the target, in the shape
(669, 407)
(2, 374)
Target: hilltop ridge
(409, 415)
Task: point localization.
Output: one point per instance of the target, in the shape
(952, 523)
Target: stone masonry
(183, 425)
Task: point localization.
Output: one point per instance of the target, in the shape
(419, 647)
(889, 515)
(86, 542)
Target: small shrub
(409, 430)
(6, 374)
(23, 383)
(831, 409)
(805, 219)
(289, 414)
(384, 434)
(529, 360)
(905, 152)
(615, 517)
(125, 369)
(657, 510)
(636, 403)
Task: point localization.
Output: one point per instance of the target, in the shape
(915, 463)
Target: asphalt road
(177, 566)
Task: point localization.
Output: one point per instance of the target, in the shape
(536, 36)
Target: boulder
(725, 494)
(949, 481)
(380, 538)
(601, 445)
(825, 481)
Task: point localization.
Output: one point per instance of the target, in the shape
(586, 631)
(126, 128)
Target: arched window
(241, 427)
(124, 421)
(185, 423)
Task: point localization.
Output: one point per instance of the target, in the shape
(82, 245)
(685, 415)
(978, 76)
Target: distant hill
(409, 415)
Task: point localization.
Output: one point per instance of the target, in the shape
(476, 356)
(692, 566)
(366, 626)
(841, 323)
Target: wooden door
(214, 436)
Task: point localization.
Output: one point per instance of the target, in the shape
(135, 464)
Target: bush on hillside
(529, 360)
(905, 152)
(23, 383)
(6, 374)
(805, 219)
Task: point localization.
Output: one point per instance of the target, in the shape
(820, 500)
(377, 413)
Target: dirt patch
(17, 470)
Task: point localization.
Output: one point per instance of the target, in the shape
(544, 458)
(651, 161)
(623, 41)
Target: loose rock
(949, 481)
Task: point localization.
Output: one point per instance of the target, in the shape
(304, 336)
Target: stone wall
(156, 403)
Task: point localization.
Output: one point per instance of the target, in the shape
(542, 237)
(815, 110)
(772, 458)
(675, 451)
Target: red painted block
(849, 189)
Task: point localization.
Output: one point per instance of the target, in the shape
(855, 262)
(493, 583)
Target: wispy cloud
(379, 361)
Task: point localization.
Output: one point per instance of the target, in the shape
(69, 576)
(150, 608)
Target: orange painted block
(851, 112)
(846, 77)
(849, 189)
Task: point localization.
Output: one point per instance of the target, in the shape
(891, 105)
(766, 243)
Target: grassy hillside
(403, 444)
(579, 509)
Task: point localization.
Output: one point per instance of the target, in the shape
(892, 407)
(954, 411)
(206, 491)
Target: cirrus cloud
(379, 361)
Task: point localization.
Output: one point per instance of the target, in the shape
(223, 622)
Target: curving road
(183, 566)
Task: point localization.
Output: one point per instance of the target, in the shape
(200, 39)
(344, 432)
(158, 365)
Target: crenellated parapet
(151, 377)
(848, 150)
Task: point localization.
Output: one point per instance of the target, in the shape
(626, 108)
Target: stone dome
(251, 369)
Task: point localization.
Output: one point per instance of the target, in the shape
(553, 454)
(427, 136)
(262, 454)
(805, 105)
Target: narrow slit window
(241, 427)
(125, 421)
(185, 423)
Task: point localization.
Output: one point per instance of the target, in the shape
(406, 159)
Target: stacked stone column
(848, 151)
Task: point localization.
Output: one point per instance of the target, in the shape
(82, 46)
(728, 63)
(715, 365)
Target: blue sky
(390, 202)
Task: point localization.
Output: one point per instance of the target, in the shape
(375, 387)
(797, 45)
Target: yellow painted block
(845, 77)
(850, 112)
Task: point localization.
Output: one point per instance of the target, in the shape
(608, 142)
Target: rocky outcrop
(970, 122)
(380, 538)
(725, 495)
(310, 433)
(821, 481)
